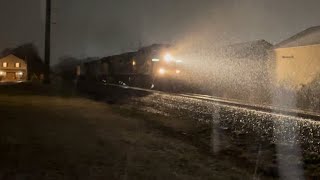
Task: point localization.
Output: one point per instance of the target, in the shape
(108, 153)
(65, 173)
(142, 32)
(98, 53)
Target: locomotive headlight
(178, 71)
(162, 71)
(168, 57)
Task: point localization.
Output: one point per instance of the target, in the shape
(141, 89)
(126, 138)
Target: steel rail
(232, 102)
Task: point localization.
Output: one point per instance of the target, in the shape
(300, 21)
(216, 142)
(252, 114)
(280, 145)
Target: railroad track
(235, 103)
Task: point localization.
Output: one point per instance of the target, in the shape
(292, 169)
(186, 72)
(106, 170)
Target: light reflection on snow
(241, 120)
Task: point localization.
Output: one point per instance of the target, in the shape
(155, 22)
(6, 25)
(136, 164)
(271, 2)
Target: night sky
(103, 27)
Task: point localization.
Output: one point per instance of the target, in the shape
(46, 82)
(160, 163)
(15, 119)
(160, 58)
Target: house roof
(310, 36)
(251, 45)
(250, 49)
(10, 57)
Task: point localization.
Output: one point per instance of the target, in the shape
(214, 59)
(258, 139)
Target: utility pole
(47, 43)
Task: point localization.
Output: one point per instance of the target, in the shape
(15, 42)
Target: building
(241, 71)
(13, 69)
(29, 53)
(297, 59)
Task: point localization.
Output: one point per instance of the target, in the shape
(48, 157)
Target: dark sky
(103, 27)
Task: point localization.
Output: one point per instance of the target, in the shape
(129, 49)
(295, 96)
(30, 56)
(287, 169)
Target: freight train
(154, 66)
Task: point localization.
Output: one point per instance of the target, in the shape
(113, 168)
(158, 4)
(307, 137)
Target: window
(17, 65)
(19, 75)
(4, 64)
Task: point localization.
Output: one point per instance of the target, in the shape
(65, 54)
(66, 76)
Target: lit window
(19, 75)
(17, 65)
(5, 64)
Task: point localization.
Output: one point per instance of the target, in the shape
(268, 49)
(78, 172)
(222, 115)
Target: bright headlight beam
(162, 71)
(168, 57)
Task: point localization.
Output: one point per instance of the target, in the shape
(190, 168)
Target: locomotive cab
(166, 67)
(166, 71)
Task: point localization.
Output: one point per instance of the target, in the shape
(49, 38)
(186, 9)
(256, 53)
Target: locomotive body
(149, 67)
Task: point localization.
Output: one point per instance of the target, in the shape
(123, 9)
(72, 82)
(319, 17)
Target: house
(13, 69)
(29, 53)
(297, 59)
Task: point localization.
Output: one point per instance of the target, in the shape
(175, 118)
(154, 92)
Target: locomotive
(150, 67)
